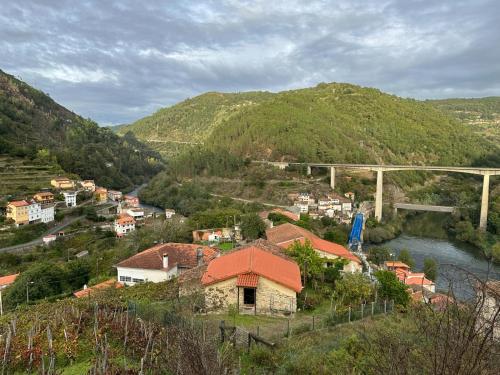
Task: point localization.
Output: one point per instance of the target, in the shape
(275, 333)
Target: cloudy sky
(117, 61)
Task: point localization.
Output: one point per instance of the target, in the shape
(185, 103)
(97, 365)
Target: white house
(49, 238)
(303, 206)
(70, 198)
(34, 212)
(169, 213)
(47, 213)
(136, 213)
(124, 224)
(163, 262)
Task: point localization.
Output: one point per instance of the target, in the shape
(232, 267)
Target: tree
(378, 255)
(353, 288)
(252, 226)
(336, 235)
(430, 269)
(391, 288)
(405, 257)
(309, 261)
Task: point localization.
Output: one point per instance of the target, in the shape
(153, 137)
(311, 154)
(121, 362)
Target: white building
(124, 224)
(163, 262)
(47, 213)
(136, 213)
(169, 213)
(34, 212)
(70, 198)
(303, 206)
(49, 238)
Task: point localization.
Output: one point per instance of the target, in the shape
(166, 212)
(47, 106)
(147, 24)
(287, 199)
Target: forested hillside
(34, 126)
(330, 123)
(482, 114)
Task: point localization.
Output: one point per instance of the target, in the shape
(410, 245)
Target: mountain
(482, 114)
(34, 126)
(333, 122)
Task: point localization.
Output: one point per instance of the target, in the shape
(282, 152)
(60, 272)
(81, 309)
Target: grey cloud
(116, 61)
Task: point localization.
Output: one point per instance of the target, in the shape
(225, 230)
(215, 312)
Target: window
(249, 296)
(138, 280)
(125, 278)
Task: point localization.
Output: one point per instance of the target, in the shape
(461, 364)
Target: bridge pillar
(378, 195)
(308, 170)
(483, 218)
(332, 178)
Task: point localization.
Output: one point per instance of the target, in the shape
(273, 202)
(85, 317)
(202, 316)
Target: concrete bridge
(380, 169)
(422, 207)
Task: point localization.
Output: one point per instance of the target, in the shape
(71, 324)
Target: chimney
(199, 256)
(165, 260)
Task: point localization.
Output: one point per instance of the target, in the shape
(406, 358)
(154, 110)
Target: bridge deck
(423, 207)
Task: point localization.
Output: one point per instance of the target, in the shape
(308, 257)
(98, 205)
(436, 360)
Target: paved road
(248, 201)
(66, 222)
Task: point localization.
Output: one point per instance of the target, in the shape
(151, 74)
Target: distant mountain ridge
(33, 125)
(334, 122)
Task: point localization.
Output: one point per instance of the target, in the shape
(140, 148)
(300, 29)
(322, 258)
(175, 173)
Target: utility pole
(28, 291)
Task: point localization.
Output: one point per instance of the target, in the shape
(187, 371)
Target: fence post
(392, 306)
(385, 306)
(221, 327)
(249, 342)
(362, 310)
(349, 314)
(313, 323)
(373, 307)
(288, 328)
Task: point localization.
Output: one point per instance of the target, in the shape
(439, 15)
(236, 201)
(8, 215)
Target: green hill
(35, 127)
(330, 122)
(482, 114)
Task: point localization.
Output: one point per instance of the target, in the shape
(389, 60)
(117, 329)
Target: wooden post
(288, 328)
(373, 308)
(313, 323)
(349, 314)
(221, 327)
(385, 306)
(362, 310)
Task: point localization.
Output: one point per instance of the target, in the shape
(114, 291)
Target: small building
(131, 201)
(136, 213)
(163, 262)
(92, 290)
(49, 238)
(303, 206)
(44, 197)
(124, 224)
(213, 235)
(47, 213)
(18, 211)
(88, 185)
(101, 194)
(256, 278)
(285, 235)
(62, 183)
(34, 212)
(415, 278)
(169, 213)
(70, 198)
(395, 265)
(114, 195)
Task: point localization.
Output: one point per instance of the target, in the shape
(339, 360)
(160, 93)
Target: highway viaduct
(380, 169)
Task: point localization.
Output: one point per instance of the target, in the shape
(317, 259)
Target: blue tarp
(357, 228)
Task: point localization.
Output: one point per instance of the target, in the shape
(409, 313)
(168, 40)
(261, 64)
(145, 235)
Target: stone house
(256, 278)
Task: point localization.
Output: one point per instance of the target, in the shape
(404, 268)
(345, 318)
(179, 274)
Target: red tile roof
(7, 280)
(125, 219)
(248, 280)
(396, 264)
(104, 285)
(258, 258)
(412, 278)
(180, 254)
(19, 203)
(285, 234)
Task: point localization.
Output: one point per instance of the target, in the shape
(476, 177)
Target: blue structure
(357, 229)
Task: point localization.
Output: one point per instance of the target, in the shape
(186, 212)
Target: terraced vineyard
(20, 177)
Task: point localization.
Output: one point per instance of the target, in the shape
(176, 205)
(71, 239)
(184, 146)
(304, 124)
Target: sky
(118, 61)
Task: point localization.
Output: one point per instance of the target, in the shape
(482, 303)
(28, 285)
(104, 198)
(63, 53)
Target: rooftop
(7, 280)
(19, 203)
(85, 292)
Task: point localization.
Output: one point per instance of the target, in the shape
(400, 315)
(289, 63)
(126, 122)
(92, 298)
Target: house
(163, 262)
(47, 213)
(44, 197)
(88, 291)
(101, 194)
(285, 235)
(88, 185)
(18, 211)
(114, 195)
(136, 213)
(396, 265)
(256, 278)
(213, 235)
(415, 278)
(304, 197)
(131, 201)
(70, 198)
(34, 212)
(124, 224)
(49, 238)
(169, 213)
(303, 206)
(62, 183)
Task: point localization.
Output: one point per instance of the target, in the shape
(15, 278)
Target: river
(135, 192)
(446, 254)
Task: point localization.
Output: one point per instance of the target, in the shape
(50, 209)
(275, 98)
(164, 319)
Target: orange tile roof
(248, 280)
(179, 254)
(396, 263)
(258, 258)
(104, 285)
(285, 234)
(125, 219)
(8, 279)
(412, 278)
(19, 203)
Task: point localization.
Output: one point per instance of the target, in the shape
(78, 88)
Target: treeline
(31, 121)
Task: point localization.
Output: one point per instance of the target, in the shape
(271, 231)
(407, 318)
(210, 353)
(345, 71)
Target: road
(66, 222)
(248, 200)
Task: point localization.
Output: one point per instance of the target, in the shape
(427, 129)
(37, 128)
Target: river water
(447, 255)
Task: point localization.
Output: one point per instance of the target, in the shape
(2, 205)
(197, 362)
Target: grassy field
(19, 177)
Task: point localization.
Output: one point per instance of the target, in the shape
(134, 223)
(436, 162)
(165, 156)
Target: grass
(226, 246)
